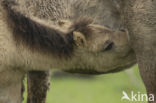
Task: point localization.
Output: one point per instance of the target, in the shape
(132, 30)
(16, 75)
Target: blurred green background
(106, 88)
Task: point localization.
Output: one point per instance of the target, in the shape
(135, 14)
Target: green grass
(101, 89)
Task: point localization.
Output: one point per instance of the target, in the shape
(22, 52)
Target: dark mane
(36, 36)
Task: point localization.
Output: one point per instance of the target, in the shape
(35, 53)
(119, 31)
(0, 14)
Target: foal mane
(39, 37)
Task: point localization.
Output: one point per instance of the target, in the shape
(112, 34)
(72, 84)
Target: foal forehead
(100, 30)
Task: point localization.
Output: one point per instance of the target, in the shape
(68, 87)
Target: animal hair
(39, 37)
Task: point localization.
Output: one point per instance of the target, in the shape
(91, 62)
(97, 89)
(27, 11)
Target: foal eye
(107, 46)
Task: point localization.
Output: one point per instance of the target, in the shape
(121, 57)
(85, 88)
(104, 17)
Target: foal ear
(79, 39)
